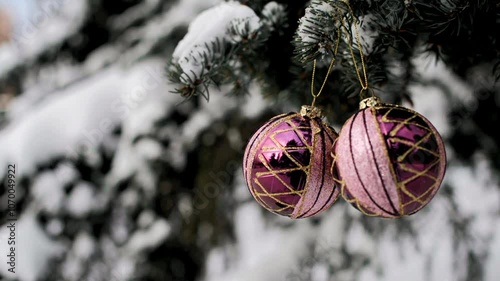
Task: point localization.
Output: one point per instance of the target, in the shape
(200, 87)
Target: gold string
(315, 96)
(362, 80)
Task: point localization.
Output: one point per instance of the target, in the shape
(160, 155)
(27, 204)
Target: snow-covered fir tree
(127, 121)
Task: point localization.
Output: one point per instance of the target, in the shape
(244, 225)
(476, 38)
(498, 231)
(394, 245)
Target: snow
(126, 19)
(255, 103)
(400, 266)
(359, 241)
(492, 270)
(34, 248)
(150, 103)
(210, 112)
(146, 218)
(272, 13)
(432, 104)
(54, 227)
(471, 185)
(44, 29)
(264, 250)
(367, 35)
(148, 238)
(431, 69)
(312, 34)
(161, 26)
(216, 262)
(84, 246)
(149, 149)
(65, 173)
(209, 26)
(305, 23)
(80, 200)
(320, 272)
(61, 123)
(46, 124)
(48, 192)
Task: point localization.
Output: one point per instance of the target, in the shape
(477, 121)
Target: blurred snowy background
(118, 179)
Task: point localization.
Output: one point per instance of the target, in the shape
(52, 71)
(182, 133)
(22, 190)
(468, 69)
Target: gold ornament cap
(310, 111)
(369, 102)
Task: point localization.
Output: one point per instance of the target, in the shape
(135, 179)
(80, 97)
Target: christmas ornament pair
(387, 161)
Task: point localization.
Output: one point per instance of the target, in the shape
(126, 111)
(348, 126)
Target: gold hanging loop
(362, 74)
(332, 63)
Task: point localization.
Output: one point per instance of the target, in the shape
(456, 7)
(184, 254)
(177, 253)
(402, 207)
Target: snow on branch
(317, 31)
(209, 26)
(274, 15)
(210, 51)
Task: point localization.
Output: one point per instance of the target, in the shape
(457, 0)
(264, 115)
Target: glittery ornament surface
(390, 160)
(286, 166)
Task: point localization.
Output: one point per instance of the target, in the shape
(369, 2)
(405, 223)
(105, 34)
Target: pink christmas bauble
(286, 165)
(390, 160)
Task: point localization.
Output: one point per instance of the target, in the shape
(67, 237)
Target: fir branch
(230, 59)
(215, 59)
(317, 32)
(376, 73)
(396, 23)
(316, 35)
(445, 16)
(275, 17)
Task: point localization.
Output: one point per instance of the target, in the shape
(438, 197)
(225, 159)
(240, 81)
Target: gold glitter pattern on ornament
(425, 148)
(286, 150)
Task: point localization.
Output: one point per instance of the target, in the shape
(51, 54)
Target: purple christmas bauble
(286, 165)
(390, 160)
